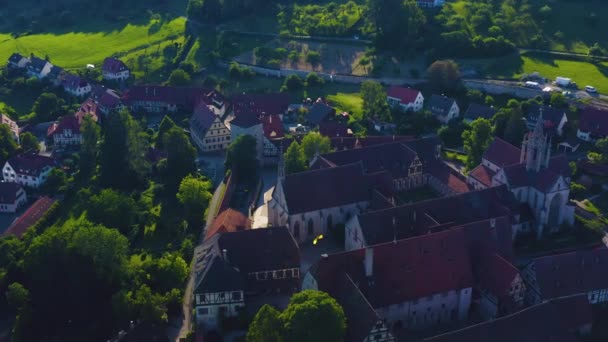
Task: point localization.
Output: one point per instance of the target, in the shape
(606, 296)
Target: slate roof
(8, 192)
(15, 58)
(37, 64)
(264, 104)
(34, 213)
(501, 153)
(440, 105)
(273, 126)
(518, 176)
(30, 164)
(402, 270)
(246, 120)
(476, 110)
(483, 175)
(55, 72)
(551, 116)
(552, 321)
(405, 95)
(594, 120)
(571, 273)
(202, 119)
(187, 97)
(435, 214)
(326, 188)
(229, 220)
(320, 112)
(68, 122)
(395, 158)
(113, 65)
(74, 82)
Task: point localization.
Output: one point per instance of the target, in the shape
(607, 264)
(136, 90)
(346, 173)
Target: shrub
(313, 57)
(313, 80)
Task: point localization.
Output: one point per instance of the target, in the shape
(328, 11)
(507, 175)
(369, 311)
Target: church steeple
(536, 147)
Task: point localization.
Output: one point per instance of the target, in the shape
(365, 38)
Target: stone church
(538, 180)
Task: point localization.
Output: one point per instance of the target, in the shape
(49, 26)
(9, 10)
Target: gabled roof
(34, 213)
(273, 126)
(74, 82)
(551, 116)
(245, 120)
(319, 112)
(346, 143)
(476, 110)
(402, 270)
(446, 175)
(68, 122)
(396, 158)
(37, 64)
(113, 65)
(188, 97)
(219, 276)
(327, 188)
(440, 105)
(483, 175)
(496, 274)
(518, 176)
(88, 107)
(501, 153)
(333, 129)
(594, 120)
(572, 273)
(8, 192)
(30, 164)
(228, 221)
(405, 95)
(264, 104)
(15, 58)
(202, 119)
(55, 72)
(105, 97)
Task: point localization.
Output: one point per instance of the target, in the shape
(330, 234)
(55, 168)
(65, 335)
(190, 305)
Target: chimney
(369, 261)
(225, 255)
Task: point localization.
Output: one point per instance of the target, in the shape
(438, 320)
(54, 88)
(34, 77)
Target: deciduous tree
(8, 146)
(29, 143)
(266, 326)
(194, 194)
(47, 107)
(180, 158)
(374, 101)
(91, 134)
(444, 74)
(314, 143)
(295, 159)
(476, 141)
(241, 157)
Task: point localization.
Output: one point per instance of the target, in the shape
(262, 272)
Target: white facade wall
(209, 307)
(67, 138)
(585, 136)
(9, 175)
(80, 91)
(122, 75)
(20, 200)
(415, 106)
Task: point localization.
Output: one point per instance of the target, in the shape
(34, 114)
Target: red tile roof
(402, 270)
(497, 274)
(113, 65)
(229, 220)
(88, 107)
(333, 129)
(449, 177)
(68, 122)
(501, 153)
(30, 217)
(186, 97)
(594, 120)
(273, 126)
(405, 95)
(483, 175)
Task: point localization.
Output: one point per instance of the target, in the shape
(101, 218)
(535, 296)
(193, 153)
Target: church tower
(536, 147)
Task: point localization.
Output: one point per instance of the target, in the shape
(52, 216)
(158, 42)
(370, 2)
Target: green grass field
(583, 73)
(76, 49)
(351, 103)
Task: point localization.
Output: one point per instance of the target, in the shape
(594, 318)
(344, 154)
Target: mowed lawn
(351, 103)
(583, 73)
(76, 49)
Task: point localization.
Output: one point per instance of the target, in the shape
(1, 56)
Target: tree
(166, 124)
(55, 180)
(516, 127)
(151, 307)
(444, 74)
(17, 296)
(558, 100)
(313, 58)
(8, 146)
(194, 195)
(89, 148)
(374, 101)
(113, 209)
(601, 145)
(313, 316)
(295, 159)
(122, 153)
(476, 141)
(314, 80)
(47, 107)
(241, 157)
(179, 78)
(204, 10)
(293, 83)
(266, 326)
(314, 143)
(29, 143)
(397, 22)
(170, 270)
(180, 158)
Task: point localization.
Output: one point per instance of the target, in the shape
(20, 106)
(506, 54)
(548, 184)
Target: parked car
(590, 89)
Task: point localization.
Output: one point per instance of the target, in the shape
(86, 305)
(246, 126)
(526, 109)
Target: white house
(405, 98)
(38, 68)
(114, 69)
(66, 132)
(12, 197)
(18, 61)
(593, 124)
(443, 108)
(27, 169)
(76, 85)
(208, 131)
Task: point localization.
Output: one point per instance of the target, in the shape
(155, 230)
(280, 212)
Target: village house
(114, 69)
(12, 197)
(443, 108)
(105, 99)
(248, 123)
(476, 111)
(430, 3)
(32, 215)
(498, 155)
(87, 108)
(272, 125)
(319, 112)
(413, 284)
(66, 132)
(56, 75)
(334, 129)
(538, 180)
(228, 221)
(561, 319)
(566, 274)
(405, 98)
(76, 85)
(17, 61)
(28, 169)
(261, 104)
(593, 124)
(554, 119)
(12, 125)
(208, 131)
(38, 68)
(232, 269)
(159, 99)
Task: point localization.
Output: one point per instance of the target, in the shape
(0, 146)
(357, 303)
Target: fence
(498, 88)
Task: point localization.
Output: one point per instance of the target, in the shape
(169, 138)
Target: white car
(590, 89)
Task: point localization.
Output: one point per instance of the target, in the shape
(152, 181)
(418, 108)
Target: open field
(76, 49)
(351, 103)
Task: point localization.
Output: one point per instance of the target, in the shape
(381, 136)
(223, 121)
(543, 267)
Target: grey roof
(37, 64)
(202, 119)
(212, 273)
(440, 105)
(319, 112)
(476, 110)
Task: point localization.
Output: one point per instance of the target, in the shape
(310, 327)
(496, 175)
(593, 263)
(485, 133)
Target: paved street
(212, 166)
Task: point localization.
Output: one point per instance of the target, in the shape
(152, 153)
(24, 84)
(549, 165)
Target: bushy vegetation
(331, 19)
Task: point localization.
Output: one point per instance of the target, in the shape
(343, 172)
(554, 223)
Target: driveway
(211, 165)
